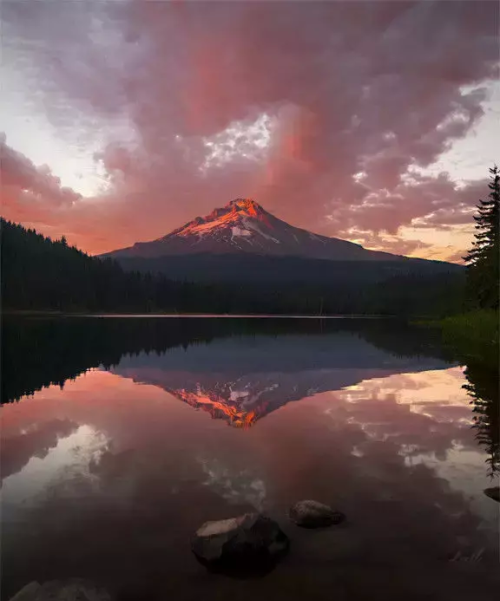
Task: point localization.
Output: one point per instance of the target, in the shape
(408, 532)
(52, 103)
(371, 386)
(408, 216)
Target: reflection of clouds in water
(65, 466)
(234, 487)
(162, 467)
(34, 440)
(402, 419)
(425, 413)
(422, 390)
(465, 471)
(426, 419)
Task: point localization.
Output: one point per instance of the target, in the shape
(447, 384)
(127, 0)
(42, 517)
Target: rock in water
(245, 545)
(61, 590)
(493, 493)
(28, 592)
(311, 514)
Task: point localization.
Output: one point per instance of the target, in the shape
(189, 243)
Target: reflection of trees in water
(483, 388)
(401, 339)
(37, 352)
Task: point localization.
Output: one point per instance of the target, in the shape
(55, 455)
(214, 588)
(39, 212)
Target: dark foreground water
(121, 437)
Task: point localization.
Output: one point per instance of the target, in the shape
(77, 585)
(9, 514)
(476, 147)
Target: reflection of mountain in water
(37, 352)
(243, 379)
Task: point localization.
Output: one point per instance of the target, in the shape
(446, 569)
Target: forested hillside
(39, 274)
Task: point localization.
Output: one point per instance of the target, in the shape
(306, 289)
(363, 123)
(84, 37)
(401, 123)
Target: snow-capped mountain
(241, 380)
(243, 226)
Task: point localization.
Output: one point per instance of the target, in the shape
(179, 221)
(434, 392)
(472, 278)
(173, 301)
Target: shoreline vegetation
(470, 337)
(155, 314)
(44, 275)
(474, 335)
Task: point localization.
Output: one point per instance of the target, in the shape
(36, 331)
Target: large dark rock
(245, 545)
(61, 590)
(493, 493)
(311, 514)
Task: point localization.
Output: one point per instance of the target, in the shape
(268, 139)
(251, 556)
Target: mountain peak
(233, 217)
(245, 205)
(244, 226)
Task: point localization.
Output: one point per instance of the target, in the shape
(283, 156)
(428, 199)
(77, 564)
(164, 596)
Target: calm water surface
(121, 437)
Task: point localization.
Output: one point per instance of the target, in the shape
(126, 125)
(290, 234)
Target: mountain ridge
(245, 227)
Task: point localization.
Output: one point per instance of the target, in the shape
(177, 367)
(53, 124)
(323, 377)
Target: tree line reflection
(38, 352)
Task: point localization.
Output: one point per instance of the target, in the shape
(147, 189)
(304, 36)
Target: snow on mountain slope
(243, 226)
(244, 379)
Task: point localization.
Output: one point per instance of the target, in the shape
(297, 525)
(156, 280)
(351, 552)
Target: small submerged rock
(61, 590)
(311, 514)
(245, 545)
(493, 493)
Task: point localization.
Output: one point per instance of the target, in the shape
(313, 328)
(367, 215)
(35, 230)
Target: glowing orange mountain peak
(219, 408)
(249, 206)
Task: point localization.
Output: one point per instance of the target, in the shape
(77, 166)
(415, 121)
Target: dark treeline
(44, 275)
(473, 337)
(480, 354)
(39, 274)
(265, 269)
(483, 259)
(39, 351)
(483, 388)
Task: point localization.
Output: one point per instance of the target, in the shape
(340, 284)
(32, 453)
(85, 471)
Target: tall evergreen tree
(483, 258)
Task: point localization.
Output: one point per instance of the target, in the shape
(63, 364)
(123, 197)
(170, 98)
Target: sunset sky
(370, 121)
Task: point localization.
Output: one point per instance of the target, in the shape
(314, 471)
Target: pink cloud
(348, 87)
(20, 177)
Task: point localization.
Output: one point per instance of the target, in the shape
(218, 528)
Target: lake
(120, 437)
